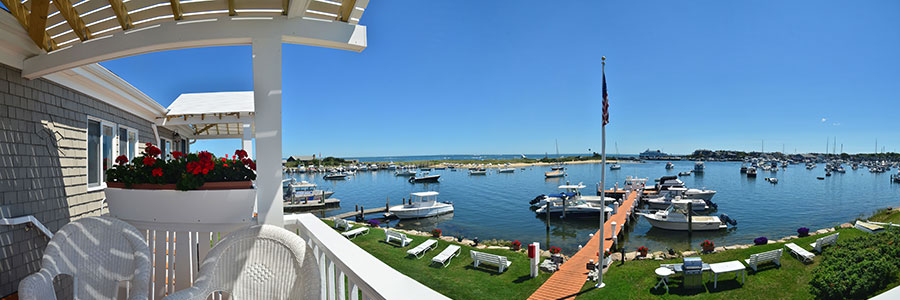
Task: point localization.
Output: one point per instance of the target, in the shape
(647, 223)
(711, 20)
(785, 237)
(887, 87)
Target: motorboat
(425, 178)
(685, 173)
(479, 171)
(772, 180)
(557, 167)
(751, 172)
(573, 207)
(421, 205)
(615, 167)
(675, 217)
(570, 192)
(670, 165)
(699, 167)
(827, 173)
(672, 182)
(677, 194)
(896, 177)
(407, 172)
(840, 169)
(305, 190)
(335, 176)
(743, 169)
(554, 174)
(506, 170)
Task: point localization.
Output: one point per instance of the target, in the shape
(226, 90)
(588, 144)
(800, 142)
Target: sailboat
(558, 170)
(616, 166)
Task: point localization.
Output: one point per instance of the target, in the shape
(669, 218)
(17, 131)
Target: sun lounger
(444, 257)
(419, 250)
(800, 253)
(355, 232)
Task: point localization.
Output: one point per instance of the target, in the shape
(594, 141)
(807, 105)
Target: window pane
(107, 149)
(93, 153)
(132, 140)
(184, 146)
(165, 153)
(123, 142)
(162, 146)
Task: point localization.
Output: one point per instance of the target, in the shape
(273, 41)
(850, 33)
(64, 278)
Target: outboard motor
(711, 204)
(728, 220)
(537, 199)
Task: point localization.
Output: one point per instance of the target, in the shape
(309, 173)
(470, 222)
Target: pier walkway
(566, 283)
(365, 212)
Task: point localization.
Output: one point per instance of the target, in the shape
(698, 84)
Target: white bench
(499, 261)
(800, 253)
(355, 232)
(444, 257)
(393, 235)
(342, 224)
(825, 241)
(760, 258)
(419, 250)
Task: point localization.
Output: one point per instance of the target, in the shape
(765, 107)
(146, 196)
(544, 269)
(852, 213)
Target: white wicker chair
(98, 252)
(259, 262)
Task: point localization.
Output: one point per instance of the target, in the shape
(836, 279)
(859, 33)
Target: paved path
(571, 276)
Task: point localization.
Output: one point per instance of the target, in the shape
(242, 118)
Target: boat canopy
(424, 194)
(579, 186)
(678, 189)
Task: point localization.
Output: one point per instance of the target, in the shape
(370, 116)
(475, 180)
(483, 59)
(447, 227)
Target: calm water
(496, 206)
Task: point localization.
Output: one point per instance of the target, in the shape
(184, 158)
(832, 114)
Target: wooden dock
(619, 194)
(311, 204)
(365, 212)
(566, 283)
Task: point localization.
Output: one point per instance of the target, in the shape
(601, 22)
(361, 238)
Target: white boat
(615, 167)
(304, 190)
(421, 205)
(751, 172)
(575, 208)
(480, 171)
(425, 178)
(670, 165)
(335, 176)
(407, 172)
(666, 198)
(685, 173)
(554, 174)
(506, 170)
(670, 182)
(675, 218)
(571, 192)
(772, 180)
(699, 167)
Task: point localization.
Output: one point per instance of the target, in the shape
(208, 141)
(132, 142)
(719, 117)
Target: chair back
(259, 262)
(98, 252)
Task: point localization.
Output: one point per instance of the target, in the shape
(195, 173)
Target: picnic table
(726, 267)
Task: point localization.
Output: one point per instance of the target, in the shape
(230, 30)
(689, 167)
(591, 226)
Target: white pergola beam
(223, 31)
(208, 119)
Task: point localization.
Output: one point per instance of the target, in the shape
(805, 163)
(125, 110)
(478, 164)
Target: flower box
(213, 208)
(222, 185)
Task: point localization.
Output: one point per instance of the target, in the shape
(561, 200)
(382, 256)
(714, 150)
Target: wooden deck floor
(568, 280)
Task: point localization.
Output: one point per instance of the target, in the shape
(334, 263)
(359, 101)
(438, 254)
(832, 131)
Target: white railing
(340, 260)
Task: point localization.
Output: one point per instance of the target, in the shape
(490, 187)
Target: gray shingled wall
(43, 164)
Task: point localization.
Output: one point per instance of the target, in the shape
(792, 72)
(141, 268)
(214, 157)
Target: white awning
(215, 115)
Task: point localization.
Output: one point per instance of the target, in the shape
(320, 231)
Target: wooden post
(387, 204)
(356, 208)
(690, 220)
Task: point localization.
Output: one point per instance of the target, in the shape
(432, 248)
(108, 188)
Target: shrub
(436, 232)
(859, 267)
(803, 231)
(373, 223)
(760, 241)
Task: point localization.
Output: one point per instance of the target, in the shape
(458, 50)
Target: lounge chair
(445, 256)
(800, 253)
(355, 232)
(419, 250)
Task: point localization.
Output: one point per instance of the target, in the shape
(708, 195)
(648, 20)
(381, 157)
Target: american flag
(605, 102)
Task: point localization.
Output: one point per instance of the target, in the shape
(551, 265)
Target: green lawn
(887, 216)
(459, 280)
(636, 279)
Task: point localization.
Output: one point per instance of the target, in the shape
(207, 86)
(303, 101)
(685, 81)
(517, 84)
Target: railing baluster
(331, 285)
(354, 291)
(342, 292)
(322, 274)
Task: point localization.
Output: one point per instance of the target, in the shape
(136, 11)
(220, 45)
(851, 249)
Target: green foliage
(859, 267)
(187, 172)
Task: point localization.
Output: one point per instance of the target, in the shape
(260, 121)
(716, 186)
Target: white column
(267, 99)
(247, 141)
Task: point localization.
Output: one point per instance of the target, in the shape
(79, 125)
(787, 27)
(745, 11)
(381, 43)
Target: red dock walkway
(571, 276)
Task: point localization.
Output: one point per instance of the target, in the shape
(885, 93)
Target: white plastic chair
(98, 252)
(258, 262)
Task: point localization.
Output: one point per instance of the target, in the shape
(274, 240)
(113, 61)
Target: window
(107, 146)
(101, 151)
(93, 153)
(165, 145)
(127, 142)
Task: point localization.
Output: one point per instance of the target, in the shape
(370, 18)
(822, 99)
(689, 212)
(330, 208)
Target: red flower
(240, 153)
(226, 165)
(157, 172)
(152, 150)
(149, 160)
(177, 154)
(122, 159)
(223, 159)
(204, 155)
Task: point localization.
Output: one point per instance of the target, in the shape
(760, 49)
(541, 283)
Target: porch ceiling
(212, 115)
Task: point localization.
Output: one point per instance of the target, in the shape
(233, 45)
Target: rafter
(177, 12)
(346, 9)
(231, 11)
(37, 21)
(121, 14)
(68, 12)
(285, 6)
(21, 14)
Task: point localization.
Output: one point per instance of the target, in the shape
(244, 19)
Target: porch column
(267, 101)
(247, 141)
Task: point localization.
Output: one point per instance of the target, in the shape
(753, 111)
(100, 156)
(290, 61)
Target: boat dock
(619, 194)
(566, 283)
(310, 205)
(365, 212)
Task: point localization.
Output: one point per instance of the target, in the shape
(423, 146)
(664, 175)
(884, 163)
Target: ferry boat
(675, 217)
(421, 205)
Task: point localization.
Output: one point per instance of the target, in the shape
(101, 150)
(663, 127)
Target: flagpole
(601, 251)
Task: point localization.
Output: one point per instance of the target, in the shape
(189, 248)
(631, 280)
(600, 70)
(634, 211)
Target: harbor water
(496, 206)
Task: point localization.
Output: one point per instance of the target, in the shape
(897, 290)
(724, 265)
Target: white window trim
(115, 149)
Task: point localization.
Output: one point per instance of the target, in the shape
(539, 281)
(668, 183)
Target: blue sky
(457, 77)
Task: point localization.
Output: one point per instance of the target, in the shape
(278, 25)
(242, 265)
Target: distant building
(650, 154)
(301, 158)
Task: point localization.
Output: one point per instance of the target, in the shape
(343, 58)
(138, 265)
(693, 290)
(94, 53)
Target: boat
(523, 156)
(743, 169)
(677, 194)
(675, 217)
(479, 171)
(507, 169)
(672, 182)
(827, 173)
(685, 173)
(772, 180)
(407, 172)
(304, 190)
(670, 165)
(335, 176)
(820, 178)
(896, 177)
(554, 174)
(425, 178)
(751, 172)
(421, 205)
(615, 167)
(699, 167)
(573, 207)
(557, 167)
(840, 169)
(572, 192)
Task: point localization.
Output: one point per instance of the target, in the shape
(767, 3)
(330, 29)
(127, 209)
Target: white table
(725, 267)
(663, 274)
